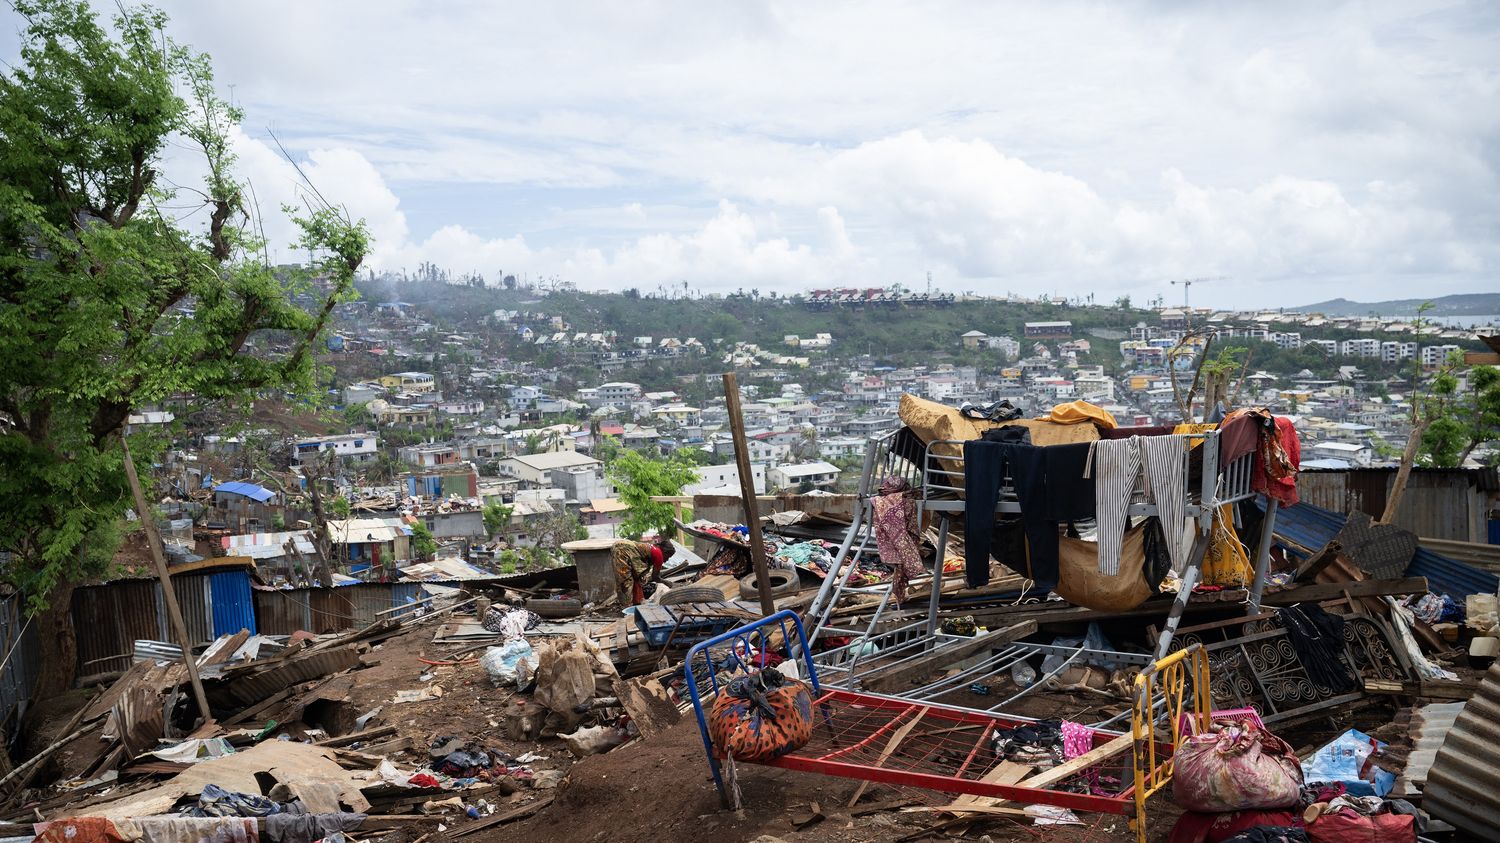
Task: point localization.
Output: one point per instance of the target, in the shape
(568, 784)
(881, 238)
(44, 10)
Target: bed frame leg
(1263, 555)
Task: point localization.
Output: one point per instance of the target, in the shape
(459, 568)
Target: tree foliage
(107, 302)
(497, 519)
(639, 478)
(1461, 417)
(423, 543)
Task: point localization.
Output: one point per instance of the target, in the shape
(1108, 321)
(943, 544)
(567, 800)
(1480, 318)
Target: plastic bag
(1482, 612)
(1348, 759)
(1236, 768)
(504, 663)
(760, 717)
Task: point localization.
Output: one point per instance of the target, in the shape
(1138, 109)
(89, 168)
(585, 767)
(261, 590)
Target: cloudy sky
(1300, 151)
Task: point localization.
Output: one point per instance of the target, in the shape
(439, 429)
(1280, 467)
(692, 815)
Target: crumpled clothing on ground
(305, 828)
(82, 830)
(218, 829)
(215, 801)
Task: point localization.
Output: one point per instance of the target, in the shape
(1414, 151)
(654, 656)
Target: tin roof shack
(246, 507)
(441, 481)
(1456, 504)
(364, 543)
(109, 617)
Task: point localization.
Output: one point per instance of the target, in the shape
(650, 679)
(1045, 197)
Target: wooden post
(747, 494)
(159, 559)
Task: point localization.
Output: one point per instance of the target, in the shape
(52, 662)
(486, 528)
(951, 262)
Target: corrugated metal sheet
(1463, 785)
(1483, 556)
(1429, 727)
(1439, 503)
(249, 690)
(18, 644)
(193, 598)
(107, 620)
(277, 613)
(233, 607)
(1312, 527)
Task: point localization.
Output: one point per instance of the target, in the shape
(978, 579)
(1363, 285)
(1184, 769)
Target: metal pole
(937, 580)
(747, 494)
(1263, 555)
(159, 560)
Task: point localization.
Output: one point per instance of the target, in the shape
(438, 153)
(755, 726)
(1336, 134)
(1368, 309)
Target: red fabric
(656, 558)
(1196, 827)
(1277, 462)
(81, 830)
(424, 780)
(1348, 826)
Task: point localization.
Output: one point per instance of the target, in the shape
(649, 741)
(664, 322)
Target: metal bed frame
(897, 638)
(856, 735)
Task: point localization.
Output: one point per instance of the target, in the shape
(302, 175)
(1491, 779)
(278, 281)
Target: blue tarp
(256, 493)
(1313, 527)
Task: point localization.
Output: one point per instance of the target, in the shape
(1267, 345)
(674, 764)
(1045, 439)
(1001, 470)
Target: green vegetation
(96, 273)
(497, 519)
(1460, 421)
(423, 544)
(639, 478)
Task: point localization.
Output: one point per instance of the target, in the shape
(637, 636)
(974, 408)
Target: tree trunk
(57, 643)
(1408, 458)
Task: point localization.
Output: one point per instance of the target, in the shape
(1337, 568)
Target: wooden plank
(900, 677)
(1335, 590)
(1006, 772)
(1067, 769)
(513, 814)
(890, 748)
(258, 708)
(353, 737)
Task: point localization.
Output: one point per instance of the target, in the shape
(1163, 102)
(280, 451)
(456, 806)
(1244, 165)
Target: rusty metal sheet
(108, 619)
(281, 612)
(197, 614)
(1463, 785)
(249, 690)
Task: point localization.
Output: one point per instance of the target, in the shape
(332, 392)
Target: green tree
(107, 303)
(423, 544)
(1459, 420)
(497, 519)
(639, 478)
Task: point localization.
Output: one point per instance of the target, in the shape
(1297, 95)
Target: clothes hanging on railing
(896, 533)
(1277, 462)
(986, 463)
(1050, 486)
(1164, 461)
(1115, 467)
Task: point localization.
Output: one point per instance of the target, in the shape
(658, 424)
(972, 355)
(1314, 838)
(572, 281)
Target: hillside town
(889, 502)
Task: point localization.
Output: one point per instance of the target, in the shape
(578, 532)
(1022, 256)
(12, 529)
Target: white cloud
(1042, 146)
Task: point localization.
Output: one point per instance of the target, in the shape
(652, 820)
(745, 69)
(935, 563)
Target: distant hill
(1463, 304)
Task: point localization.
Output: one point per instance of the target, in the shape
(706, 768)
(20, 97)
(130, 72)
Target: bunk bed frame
(899, 637)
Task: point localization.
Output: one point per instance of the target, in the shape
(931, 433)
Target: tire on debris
(784, 583)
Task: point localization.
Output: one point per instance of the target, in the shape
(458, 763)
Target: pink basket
(1186, 723)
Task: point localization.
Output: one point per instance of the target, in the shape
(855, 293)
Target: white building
(1364, 347)
(1436, 355)
(1329, 347)
(726, 479)
(348, 447)
(1392, 351)
(1289, 339)
(536, 468)
(818, 474)
(1351, 453)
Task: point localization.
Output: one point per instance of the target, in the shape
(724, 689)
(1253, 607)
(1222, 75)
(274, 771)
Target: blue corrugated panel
(233, 605)
(249, 490)
(405, 592)
(1312, 527)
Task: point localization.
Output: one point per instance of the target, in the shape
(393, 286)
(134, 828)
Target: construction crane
(1187, 286)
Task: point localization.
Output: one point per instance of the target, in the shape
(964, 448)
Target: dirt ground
(661, 790)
